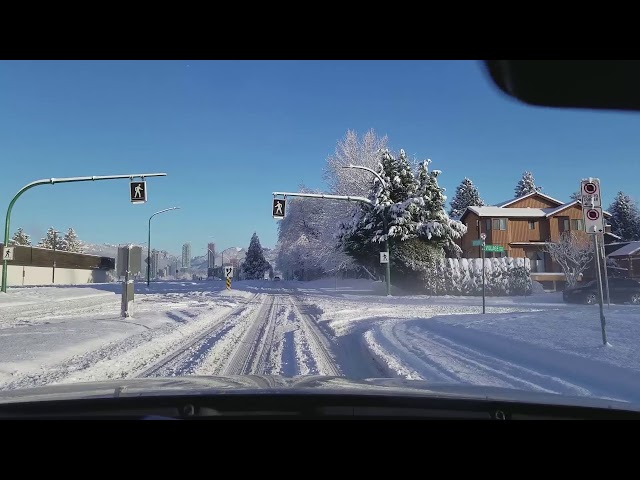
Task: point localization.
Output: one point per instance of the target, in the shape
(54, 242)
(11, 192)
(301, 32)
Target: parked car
(621, 290)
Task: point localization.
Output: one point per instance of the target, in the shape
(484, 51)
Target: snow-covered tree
(254, 264)
(307, 246)
(572, 252)
(466, 195)
(577, 195)
(352, 150)
(20, 238)
(52, 238)
(526, 185)
(625, 217)
(71, 243)
(414, 208)
(432, 222)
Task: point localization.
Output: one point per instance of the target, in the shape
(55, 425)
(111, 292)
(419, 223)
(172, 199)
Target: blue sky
(230, 133)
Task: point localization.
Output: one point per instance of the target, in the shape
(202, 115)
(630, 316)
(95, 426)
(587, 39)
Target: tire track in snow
(185, 359)
(313, 344)
(120, 358)
(435, 351)
(251, 352)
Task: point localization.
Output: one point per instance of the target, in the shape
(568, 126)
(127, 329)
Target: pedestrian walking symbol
(138, 192)
(278, 208)
(384, 257)
(8, 254)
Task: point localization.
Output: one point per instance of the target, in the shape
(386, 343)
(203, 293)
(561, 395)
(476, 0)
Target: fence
(42, 266)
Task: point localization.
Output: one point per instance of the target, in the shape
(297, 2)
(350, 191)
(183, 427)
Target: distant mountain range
(198, 263)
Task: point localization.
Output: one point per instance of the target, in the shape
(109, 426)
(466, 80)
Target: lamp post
(384, 223)
(149, 242)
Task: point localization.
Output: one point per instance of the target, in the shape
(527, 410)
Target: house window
(488, 224)
(499, 223)
(532, 224)
(577, 224)
(564, 224)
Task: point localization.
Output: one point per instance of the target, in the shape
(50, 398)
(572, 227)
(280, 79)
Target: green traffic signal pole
(51, 181)
(149, 242)
(384, 222)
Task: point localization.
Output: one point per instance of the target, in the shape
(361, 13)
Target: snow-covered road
(190, 329)
(62, 335)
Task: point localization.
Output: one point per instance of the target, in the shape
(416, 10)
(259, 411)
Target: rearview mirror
(595, 84)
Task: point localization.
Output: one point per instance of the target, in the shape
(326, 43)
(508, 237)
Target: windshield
(358, 219)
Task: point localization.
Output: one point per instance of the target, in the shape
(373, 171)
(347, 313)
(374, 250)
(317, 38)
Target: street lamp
(384, 223)
(149, 242)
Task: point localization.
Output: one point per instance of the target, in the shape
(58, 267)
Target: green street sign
(476, 243)
(493, 248)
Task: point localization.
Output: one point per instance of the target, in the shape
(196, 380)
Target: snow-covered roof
(513, 200)
(551, 211)
(507, 212)
(630, 249)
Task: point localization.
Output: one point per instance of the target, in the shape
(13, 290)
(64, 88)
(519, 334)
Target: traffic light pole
(51, 181)
(349, 199)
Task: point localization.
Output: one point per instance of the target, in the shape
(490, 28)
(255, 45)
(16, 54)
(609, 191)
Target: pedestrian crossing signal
(138, 191)
(278, 207)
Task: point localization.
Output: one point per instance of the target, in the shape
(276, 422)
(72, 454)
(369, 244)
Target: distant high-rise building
(211, 254)
(186, 255)
(155, 258)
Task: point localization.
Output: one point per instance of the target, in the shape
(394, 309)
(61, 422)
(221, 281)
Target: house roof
(507, 212)
(629, 249)
(513, 200)
(494, 211)
(552, 211)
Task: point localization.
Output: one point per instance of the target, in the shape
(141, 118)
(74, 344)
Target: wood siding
(572, 213)
(533, 202)
(468, 250)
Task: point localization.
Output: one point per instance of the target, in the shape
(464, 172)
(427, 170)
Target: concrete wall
(43, 276)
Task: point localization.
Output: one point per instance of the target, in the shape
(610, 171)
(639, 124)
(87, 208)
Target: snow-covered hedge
(503, 276)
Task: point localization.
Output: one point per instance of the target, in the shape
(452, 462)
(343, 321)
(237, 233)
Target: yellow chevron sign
(228, 283)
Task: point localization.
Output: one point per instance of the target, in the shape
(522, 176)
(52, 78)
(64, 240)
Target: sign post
(594, 225)
(126, 306)
(228, 273)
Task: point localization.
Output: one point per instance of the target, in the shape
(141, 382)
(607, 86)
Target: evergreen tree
(71, 243)
(466, 196)
(625, 217)
(415, 209)
(431, 220)
(526, 185)
(254, 264)
(20, 238)
(52, 238)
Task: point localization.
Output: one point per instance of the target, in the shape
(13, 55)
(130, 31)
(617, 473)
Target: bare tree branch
(573, 253)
